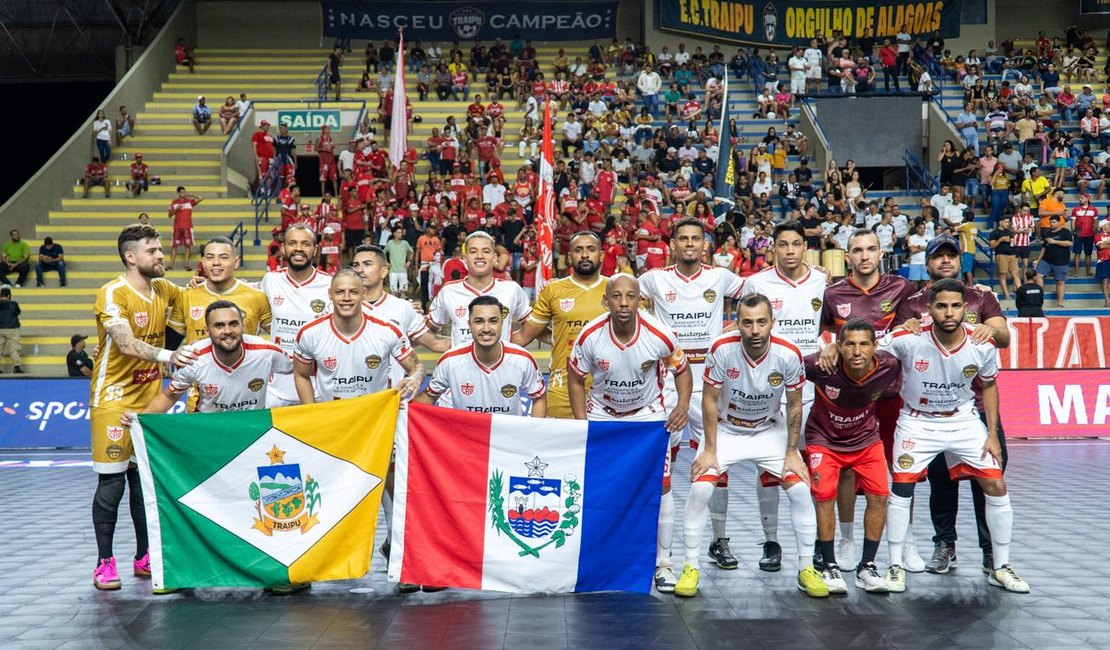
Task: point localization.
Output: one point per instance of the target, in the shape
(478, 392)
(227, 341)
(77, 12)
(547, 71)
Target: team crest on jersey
(832, 391)
(844, 310)
(816, 304)
(970, 370)
(460, 311)
(467, 389)
(815, 460)
(921, 365)
(279, 300)
(283, 500)
(647, 365)
(115, 434)
(776, 304)
(603, 364)
(908, 445)
(373, 361)
(732, 373)
(196, 313)
(972, 317)
(256, 384)
(534, 511)
(508, 390)
(709, 295)
(211, 389)
(504, 312)
(566, 304)
(141, 318)
(317, 306)
(775, 379)
(886, 306)
(670, 296)
(905, 461)
(330, 363)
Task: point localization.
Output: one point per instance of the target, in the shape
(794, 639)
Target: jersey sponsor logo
(816, 304)
(603, 364)
(709, 295)
(832, 391)
(141, 318)
(211, 389)
(115, 434)
(972, 317)
(745, 424)
(373, 361)
(908, 444)
(256, 384)
(195, 313)
(114, 452)
(566, 304)
(508, 390)
(146, 376)
(647, 365)
(776, 304)
(844, 310)
(317, 306)
(921, 365)
(732, 373)
(670, 296)
(279, 300)
(886, 305)
(111, 309)
(467, 389)
(330, 363)
(775, 379)
(905, 461)
(970, 370)
(460, 311)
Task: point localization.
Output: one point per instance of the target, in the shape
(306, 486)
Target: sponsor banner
(1057, 342)
(1054, 403)
(309, 120)
(463, 21)
(1094, 6)
(39, 412)
(797, 21)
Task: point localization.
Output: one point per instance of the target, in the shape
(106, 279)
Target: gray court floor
(47, 555)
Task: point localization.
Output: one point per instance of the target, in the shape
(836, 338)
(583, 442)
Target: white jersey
(936, 382)
(238, 387)
(401, 313)
(493, 389)
(626, 377)
(752, 389)
(693, 307)
(293, 304)
(796, 305)
(452, 304)
(349, 367)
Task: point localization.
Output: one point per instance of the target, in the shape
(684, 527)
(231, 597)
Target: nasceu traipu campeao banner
(775, 23)
(464, 21)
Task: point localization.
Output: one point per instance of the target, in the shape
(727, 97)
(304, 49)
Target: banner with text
(797, 21)
(1058, 342)
(1054, 403)
(463, 21)
(1094, 6)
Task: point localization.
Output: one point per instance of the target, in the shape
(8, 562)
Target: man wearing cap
(1055, 256)
(140, 177)
(78, 363)
(263, 148)
(202, 116)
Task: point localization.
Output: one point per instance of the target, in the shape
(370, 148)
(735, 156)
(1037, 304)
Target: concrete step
(166, 192)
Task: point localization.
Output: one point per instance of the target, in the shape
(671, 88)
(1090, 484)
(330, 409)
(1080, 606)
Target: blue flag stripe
(620, 505)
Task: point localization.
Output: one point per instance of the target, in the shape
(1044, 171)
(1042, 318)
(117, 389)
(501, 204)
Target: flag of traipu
(506, 503)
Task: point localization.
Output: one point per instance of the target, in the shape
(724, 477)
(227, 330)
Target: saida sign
(309, 120)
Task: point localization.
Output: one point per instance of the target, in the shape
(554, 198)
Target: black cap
(5, 291)
(75, 338)
(804, 160)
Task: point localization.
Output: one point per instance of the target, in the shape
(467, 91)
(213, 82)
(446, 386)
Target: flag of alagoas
(265, 498)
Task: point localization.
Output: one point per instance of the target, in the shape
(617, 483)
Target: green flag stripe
(198, 553)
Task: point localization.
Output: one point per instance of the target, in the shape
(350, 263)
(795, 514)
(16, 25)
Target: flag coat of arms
(264, 498)
(506, 503)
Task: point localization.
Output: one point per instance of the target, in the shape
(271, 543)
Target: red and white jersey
(293, 305)
(936, 381)
(626, 376)
(797, 305)
(349, 367)
(693, 307)
(752, 389)
(452, 306)
(401, 313)
(492, 389)
(239, 387)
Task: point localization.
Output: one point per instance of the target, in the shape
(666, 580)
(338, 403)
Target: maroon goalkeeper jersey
(845, 300)
(843, 415)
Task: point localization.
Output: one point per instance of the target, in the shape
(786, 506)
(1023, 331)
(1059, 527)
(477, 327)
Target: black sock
(138, 511)
(104, 535)
(870, 548)
(105, 510)
(825, 548)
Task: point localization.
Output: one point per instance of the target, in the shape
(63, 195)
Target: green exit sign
(308, 120)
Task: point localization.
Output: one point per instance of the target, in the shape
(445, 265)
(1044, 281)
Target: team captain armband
(677, 361)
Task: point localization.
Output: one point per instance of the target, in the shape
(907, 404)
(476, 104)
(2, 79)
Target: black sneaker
(385, 549)
(818, 560)
(772, 557)
(407, 587)
(988, 562)
(722, 554)
(944, 558)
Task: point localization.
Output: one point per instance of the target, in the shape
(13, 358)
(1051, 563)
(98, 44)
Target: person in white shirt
(681, 56)
(649, 84)
(814, 58)
(243, 105)
(626, 353)
(488, 374)
(762, 185)
(942, 198)
(747, 374)
(797, 64)
(940, 362)
(952, 214)
(350, 352)
(493, 192)
(572, 134)
(916, 244)
(346, 158)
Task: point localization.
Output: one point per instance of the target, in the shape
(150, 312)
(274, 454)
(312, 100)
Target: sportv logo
(42, 412)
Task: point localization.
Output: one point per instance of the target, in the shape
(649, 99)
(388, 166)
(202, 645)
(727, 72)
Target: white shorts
(813, 73)
(398, 282)
(766, 449)
(797, 85)
(918, 440)
(653, 412)
(694, 415)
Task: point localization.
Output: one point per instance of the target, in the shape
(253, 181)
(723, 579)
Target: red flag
(398, 128)
(545, 205)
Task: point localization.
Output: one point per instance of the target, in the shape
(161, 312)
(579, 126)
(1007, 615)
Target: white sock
(718, 511)
(768, 510)
(387, 512)
(803, 517)
(848, 530)
(520, 149)
(665, 535)
(897, 526)
(693, 520)
(1000, 522)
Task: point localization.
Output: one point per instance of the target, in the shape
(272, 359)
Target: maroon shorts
(872, 475)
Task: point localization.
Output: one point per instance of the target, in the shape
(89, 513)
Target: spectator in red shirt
(614, 248)
(325, 149)
(1083, 218)
(476, 109)
(489, 150)
(460, 83)
(96, 173)
(140, 179)
(181, 211)
(354, 220)
(183, 55)
(263, 148)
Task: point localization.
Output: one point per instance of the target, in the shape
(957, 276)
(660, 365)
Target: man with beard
(690, 297)
(984, 315)
(940, 420)
(127, 374)
(297, 295)
(625, 353)
(563, 308)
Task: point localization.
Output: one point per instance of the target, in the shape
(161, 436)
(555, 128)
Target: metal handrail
(267, 190)
(982, 246)
(918, 177)
(805, 105)
(322, 84)
(237, 236)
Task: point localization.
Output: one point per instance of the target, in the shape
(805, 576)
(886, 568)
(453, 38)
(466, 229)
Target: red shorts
(887, 410)
(872, 476)
(263, 167)
(182, 237)
(327, 171)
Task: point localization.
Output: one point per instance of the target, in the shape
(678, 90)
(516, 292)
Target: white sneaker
(868, 579)
(665, 579)
(834, 580)
(911, 559)
(1008, 579)
(846, 552)
(896, 579)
